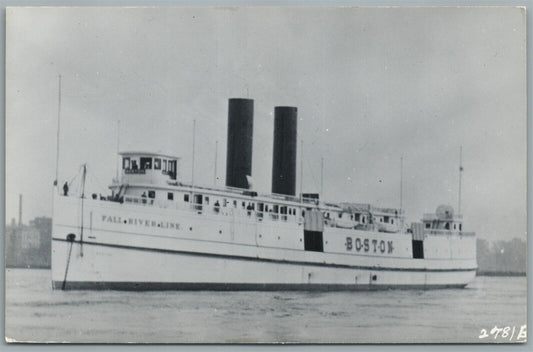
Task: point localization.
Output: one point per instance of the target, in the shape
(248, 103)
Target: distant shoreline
(500, 273)
(28, 267)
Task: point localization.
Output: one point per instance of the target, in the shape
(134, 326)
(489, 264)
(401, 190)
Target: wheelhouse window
(146, 163)
(157, 164)
(126, 163)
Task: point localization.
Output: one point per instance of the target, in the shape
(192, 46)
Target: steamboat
(155, 232)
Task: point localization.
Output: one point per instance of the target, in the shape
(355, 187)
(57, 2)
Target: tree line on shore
(502, 257)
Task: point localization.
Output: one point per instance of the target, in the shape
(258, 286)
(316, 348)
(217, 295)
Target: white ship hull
(135, 247)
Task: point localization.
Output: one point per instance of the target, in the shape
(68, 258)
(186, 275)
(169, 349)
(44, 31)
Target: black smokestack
(240, 137)
(284, 158)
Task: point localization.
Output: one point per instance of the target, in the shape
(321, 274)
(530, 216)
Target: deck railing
(211, 209)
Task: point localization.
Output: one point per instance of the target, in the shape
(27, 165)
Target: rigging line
(93, 175)
(70, 238)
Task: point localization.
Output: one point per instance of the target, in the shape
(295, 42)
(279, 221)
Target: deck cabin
(153, 179)
(443, 219)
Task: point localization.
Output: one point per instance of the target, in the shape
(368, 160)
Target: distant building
(29, 246)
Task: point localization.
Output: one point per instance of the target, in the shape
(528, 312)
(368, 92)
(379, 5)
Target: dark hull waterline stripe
(277, 261)
(214, 286)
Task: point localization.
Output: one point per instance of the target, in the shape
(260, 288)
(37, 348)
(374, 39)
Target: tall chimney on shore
(240, 138)
(20, 209)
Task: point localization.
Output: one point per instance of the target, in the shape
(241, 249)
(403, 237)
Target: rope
(68, 263)
(94, 178)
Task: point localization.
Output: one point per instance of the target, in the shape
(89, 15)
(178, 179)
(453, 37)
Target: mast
(193, 152)
(301, 168)
(321, 176)
(118, 147)
(460, 177)
(58, 125)
(401, 182)
(216, 156)
(82, 198)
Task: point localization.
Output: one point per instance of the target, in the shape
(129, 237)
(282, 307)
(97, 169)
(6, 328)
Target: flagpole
(460, 176)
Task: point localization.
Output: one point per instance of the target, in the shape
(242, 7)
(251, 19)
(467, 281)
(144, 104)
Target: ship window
(134, 165)
(157, 164)
(185, 197)
(283, 210)
(260, 207)
(455, 226)
(164, 165)
(428, 225)
(146, 163)
(206, 200)
(235, 204)
(340, 215)
(151, 194)
(357, 217)
(243, 205)
(276, 208)
(266, 207)
(447, 226)
(386, 219)
(126, 163)
(460, 227)
(392, 221)
(170, 196)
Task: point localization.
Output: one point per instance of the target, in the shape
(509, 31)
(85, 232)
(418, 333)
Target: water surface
(35, 312)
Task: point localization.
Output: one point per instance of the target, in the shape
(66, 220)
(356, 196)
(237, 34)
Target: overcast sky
(371, 85)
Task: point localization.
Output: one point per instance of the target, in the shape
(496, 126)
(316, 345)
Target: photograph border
(310, 3)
